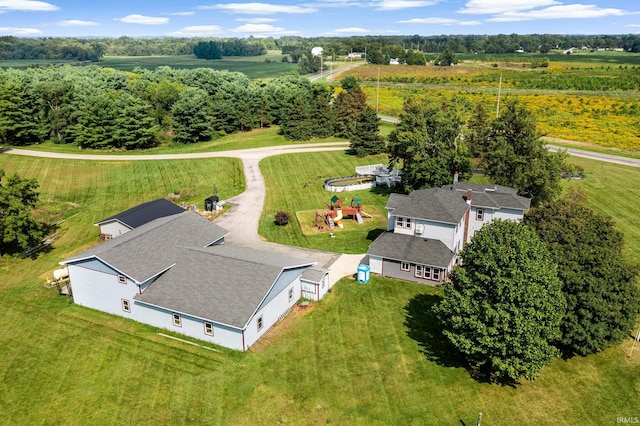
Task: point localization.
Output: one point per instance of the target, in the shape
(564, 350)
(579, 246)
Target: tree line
(388, 46)
(98, 108)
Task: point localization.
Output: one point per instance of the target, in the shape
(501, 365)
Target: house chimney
(455, 178)
(469, 193)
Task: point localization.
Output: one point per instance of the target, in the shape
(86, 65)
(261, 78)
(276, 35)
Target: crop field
(367, 354)
(595, 101)
(254, 67)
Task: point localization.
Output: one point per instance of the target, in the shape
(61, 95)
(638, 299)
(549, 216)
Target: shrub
(282, 218)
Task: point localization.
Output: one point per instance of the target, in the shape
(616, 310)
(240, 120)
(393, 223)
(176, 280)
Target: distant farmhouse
(428, 228)
(176, 272)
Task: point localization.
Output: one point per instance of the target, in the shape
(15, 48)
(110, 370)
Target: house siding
(100, 290)
(391, 269)
(114, 229)
(509, 214)
(314, 291)
(375, 263)
(191, 326)
(271, 313)
(444, 232)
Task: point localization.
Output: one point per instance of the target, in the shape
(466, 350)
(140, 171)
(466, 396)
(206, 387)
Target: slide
(359, 218)
(338, 219)
(365, 214)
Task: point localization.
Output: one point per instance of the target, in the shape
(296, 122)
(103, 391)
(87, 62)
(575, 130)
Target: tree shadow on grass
(375, 233)
(425, 328)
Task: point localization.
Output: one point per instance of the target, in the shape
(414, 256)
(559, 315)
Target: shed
(135, 217)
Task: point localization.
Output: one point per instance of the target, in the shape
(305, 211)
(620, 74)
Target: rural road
(242, 220)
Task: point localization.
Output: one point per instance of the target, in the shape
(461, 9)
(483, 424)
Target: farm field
(367, 354)
(595, 101)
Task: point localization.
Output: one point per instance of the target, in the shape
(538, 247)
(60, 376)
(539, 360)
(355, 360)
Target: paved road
(242, 220)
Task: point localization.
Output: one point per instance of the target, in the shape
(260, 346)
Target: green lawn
(295, 183)
(257, 138)
(366, 355)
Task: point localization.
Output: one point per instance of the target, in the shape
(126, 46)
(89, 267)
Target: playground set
(329, 218)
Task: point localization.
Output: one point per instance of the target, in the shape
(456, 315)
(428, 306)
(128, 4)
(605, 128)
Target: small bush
(282, 218)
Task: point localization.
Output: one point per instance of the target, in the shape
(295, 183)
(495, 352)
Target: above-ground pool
(349, 183)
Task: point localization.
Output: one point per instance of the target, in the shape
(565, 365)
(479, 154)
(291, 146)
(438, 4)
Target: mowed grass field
(295, 184)
(365, 355)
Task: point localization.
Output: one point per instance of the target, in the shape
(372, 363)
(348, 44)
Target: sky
(319, 18)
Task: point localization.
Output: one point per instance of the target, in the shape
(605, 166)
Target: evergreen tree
(191, 120)
(366, 138)
(348, 105)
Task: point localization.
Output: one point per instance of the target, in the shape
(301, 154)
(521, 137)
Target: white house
(176, 273)
(127, 220)
(428, 228)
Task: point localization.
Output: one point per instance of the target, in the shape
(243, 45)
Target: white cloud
(198, 31)
(438, 21)
(570, 11)
(19, 31)
(181, 13)
(257, 20)
(352, 30)
(402, 4)
(76, 23)
(491, 7)
(27, 6)
(340, 3)
(260, 8)
(143, 20)
(258, 28)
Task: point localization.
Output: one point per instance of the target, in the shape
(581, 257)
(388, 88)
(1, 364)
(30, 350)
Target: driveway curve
(242, 220)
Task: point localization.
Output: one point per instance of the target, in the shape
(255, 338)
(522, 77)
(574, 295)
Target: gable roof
(407, 248)
(224, 284)
(150, 249)
(144, 213)
(493, 196)
(436, 204)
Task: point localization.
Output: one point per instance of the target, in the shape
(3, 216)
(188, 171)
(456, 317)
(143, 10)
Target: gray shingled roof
(222, 283)
(493, 196)
(314, 275)
(149, 249)
(436, 204)
(407, 248)
(145, 213)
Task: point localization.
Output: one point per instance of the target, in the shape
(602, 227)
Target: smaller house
(394, 61)
(127, 220)
(429, 227)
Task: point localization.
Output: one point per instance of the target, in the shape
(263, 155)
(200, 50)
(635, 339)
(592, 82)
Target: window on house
(399, 222)
(405, 266)
(290, 294)
(480, 214)
(122, 279)
(427, 273)
(436, 274)
(407, 222)
(125, 305)
(177, 320)
(260, 323)
(418, 272)
(208, 328)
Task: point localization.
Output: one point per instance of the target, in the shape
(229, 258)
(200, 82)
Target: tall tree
(428, 142)
(516, 156)
(19, 230)
(191, 120)
(599, 285)
(366, 138)
(349, 103)
(18, 112)
(503, 307)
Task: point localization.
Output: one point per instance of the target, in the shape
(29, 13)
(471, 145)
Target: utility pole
(378, 90)
(498, 105)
